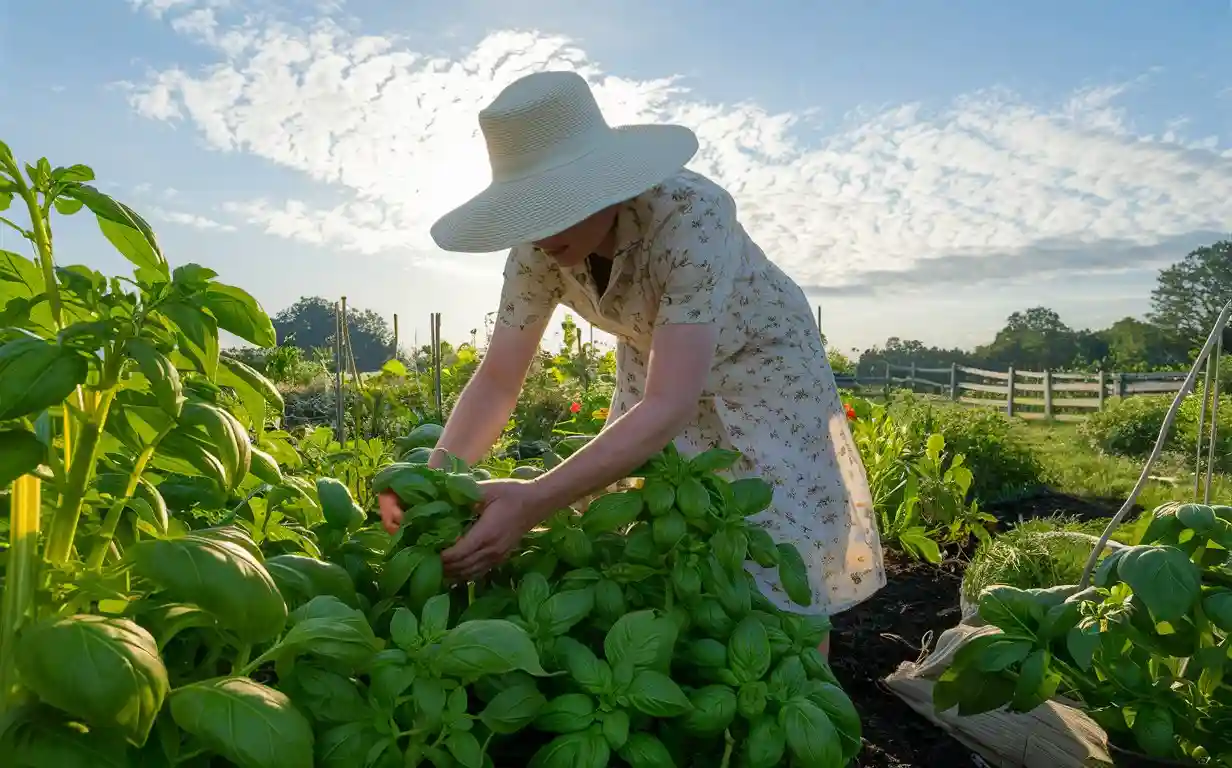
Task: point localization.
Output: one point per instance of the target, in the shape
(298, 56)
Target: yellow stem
(20, 576)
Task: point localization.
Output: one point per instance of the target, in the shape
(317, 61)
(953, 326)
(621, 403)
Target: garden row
(188, 580)
(187, 584)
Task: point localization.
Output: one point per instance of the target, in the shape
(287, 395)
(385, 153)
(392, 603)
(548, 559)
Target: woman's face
(571, 247)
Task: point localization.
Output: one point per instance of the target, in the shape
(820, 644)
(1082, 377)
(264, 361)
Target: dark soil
(872, 639)
(1048, 503)
(918, 603)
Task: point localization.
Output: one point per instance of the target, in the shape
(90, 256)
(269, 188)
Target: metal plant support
(1212, 350)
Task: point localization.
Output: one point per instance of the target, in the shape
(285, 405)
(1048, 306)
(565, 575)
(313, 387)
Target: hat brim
(511, 213)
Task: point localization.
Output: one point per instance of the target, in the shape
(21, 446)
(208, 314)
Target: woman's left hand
(509, 509)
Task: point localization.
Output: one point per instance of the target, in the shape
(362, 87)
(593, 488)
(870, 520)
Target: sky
(921, 168)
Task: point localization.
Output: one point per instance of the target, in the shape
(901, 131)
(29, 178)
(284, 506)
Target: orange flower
(575, 408)
(851, 412)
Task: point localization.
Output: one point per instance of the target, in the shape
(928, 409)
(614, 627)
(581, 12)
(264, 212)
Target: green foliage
(215, 588)
(1001, 461)
(920, 491)
(1191, 293)
(1144, 649)
(1130, 426)
(1035, 554)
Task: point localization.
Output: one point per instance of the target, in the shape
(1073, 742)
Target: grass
(1037, 553)
(1073, 466)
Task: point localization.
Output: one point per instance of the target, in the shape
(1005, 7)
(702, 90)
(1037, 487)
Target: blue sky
(923, 168)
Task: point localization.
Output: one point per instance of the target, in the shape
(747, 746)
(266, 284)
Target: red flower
(575, 408)
(851, 412)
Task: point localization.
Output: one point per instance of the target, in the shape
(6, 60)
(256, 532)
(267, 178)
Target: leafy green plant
(187, 583)
(125, 624)
(919, 491)
(1002, 463)
(644, 615)
(1130, 426)
(1034, 554)
(1143, 650)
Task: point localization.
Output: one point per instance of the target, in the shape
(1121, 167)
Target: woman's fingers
(391, 511)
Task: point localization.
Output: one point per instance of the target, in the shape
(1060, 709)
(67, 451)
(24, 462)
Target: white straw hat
(555, 161)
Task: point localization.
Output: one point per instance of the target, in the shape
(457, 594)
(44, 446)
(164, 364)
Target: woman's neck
(607, 246)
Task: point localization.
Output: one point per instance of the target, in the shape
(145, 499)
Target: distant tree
(1190, 294)
(1136, 345)
(309, 323)
(840, 364)
(1035, 339)
(902, 352)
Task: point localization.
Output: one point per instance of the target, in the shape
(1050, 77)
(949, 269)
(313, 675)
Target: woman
(717, 346)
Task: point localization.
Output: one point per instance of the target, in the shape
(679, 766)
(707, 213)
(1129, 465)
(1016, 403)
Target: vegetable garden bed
(918, 603)
(872, 639)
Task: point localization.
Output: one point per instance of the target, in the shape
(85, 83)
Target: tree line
(1184, 305)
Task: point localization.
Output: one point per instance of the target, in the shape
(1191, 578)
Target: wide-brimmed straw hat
(555, 161)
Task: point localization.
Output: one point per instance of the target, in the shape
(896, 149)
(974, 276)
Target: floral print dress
(682, 257)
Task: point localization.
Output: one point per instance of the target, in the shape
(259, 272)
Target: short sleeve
(532, 290)
(696, 254)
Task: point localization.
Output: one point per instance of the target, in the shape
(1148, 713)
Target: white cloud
(191, 220)
(988, 179)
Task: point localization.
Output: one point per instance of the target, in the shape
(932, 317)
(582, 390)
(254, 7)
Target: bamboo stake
(339, 413)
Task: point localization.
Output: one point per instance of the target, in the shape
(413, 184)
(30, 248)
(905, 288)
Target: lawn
(1073, 467)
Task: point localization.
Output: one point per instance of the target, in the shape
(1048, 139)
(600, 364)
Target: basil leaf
(657, 695)
(560, 612)
(1164, 577)
(843, 716)
(465, 748)
(513, 709)
(637, 636)
(327, 629)
(590, 672)
(248, 723)
(220, 576)
(568, 713)
(487, 647)
(643, 750)
(106, 671)
(748, 650)
(765, 744)
(532, 592)
(713, 709)
(811, 737)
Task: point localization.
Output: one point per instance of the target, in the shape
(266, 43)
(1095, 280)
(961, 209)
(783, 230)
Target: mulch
(918, 603)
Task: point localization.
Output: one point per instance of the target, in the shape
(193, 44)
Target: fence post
(888, 381)
(912, 374)
(1103, 387)
(1122, 385)
(1009, 394)
(954, 382)
(1047, 395)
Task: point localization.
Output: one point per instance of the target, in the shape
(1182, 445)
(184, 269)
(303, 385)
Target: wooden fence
(1027, 394)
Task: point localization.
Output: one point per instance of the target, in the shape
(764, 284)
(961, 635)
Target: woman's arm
(487, 401)
(681, 357)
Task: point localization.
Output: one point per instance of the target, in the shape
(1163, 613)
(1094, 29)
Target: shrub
(1130, 426)
(1001, 459)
